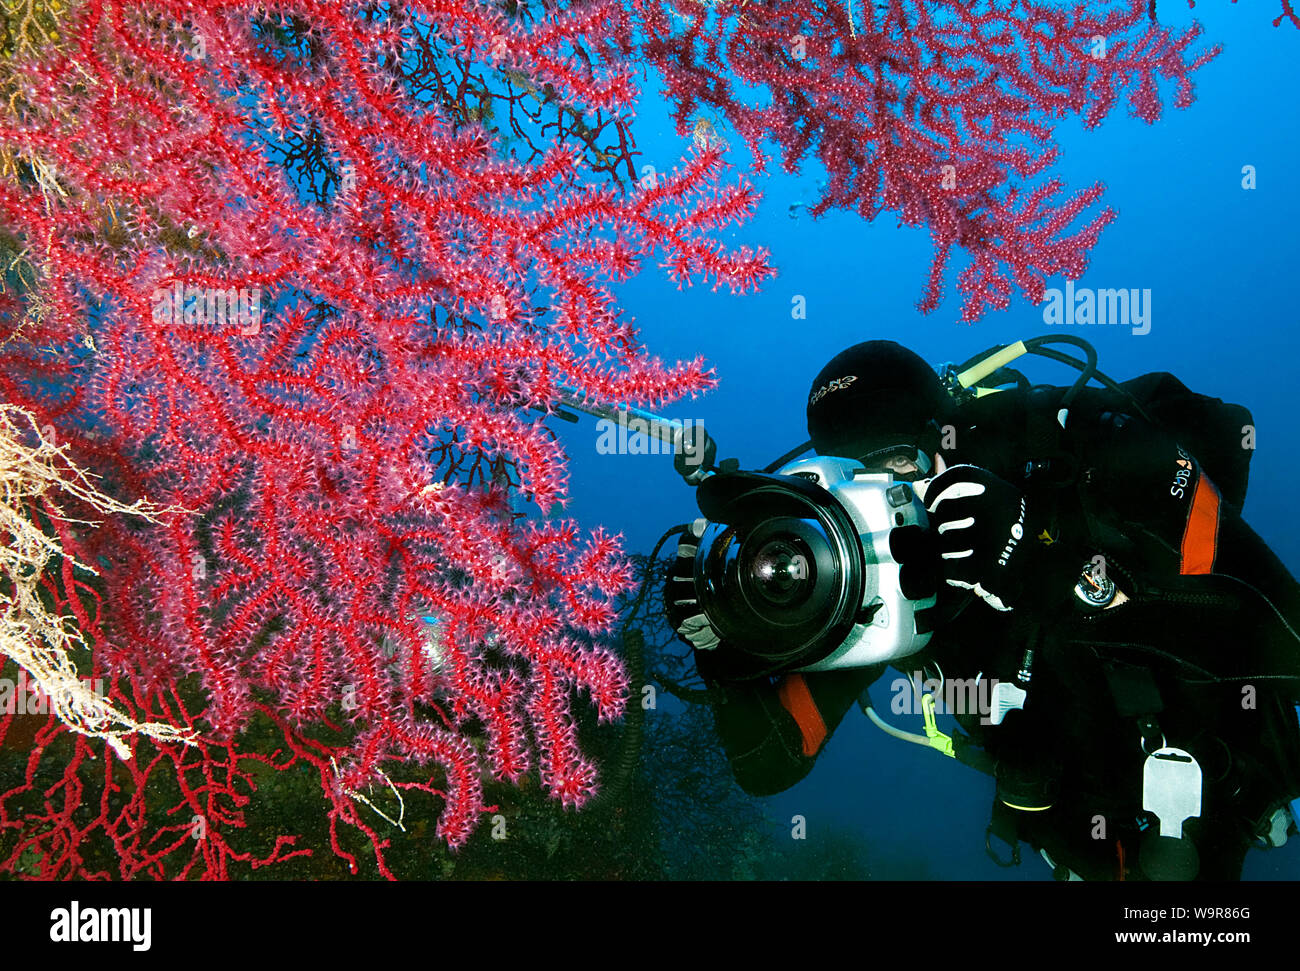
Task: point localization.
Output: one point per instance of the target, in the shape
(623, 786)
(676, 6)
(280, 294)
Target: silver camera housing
(877, 504)
(855, 614)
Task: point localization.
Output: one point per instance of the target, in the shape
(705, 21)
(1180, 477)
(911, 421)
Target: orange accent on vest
(798, 701)
(1201, 535)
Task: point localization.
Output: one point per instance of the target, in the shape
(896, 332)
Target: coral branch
(940, 111)
(325, 314)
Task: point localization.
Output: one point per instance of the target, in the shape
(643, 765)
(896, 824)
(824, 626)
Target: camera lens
(783, 575)
(781, 572)
(780, 568)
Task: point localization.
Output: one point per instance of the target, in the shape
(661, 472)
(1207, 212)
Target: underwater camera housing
(794, 571)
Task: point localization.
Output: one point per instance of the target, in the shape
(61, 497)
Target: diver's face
(906, 463)
(902, 466)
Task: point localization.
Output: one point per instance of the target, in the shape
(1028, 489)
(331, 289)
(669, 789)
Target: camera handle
(694, 450)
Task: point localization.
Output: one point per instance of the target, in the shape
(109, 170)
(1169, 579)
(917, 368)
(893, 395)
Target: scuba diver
(1076, 554)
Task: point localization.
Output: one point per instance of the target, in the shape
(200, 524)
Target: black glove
(915, 550)
(980, 537)
(680, 603)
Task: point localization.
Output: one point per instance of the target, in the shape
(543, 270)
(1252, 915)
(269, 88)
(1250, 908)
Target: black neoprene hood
(871, 396)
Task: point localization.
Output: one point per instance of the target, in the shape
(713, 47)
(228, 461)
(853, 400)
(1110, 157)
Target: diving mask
(907, 463)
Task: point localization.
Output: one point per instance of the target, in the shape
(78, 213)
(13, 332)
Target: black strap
(1004, 824)
(1050, 466)
(1042, 430)
(966, 751)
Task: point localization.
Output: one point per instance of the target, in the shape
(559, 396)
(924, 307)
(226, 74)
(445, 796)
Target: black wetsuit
(1203, 656)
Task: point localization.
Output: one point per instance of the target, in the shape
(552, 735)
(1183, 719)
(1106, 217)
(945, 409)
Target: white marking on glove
(957, 524)
(958, 490)
(992, 599)
(699, 632)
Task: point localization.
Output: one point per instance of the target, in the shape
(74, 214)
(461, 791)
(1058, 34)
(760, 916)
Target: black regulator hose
(624, 763)
(649, 573)
(789, 456)
(621, 769)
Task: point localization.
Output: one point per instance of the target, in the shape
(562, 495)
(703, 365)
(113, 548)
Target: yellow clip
(938, 740)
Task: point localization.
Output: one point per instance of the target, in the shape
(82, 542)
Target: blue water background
(1218, 259)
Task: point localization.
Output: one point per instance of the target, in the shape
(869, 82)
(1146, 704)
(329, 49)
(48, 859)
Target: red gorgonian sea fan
(941, 111)
(338, 388)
